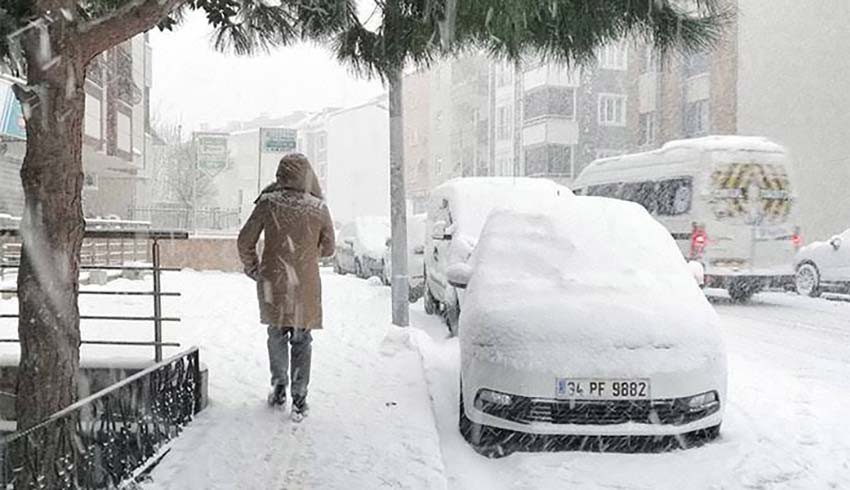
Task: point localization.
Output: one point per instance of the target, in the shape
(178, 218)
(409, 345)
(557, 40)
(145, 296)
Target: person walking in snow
(298, 230)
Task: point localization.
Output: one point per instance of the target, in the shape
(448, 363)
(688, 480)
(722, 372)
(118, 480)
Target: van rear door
(751, 233)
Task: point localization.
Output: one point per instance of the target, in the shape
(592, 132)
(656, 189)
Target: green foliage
(415, 32)
(568, 31)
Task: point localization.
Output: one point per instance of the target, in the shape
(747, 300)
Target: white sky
(194, 84)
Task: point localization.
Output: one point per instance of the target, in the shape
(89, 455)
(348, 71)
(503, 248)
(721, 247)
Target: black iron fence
(131, 236)
(109, 437)
(215, 219)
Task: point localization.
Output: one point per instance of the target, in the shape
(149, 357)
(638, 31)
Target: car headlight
(703, 401)
(489, 397)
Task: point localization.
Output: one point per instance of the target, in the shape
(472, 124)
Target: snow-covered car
(415, 256)
(456, 213)
(582, 318)
(824, 266)
(360, 247)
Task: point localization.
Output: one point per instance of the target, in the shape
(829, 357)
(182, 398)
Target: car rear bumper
(723, 281)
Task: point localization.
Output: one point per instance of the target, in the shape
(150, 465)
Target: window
(613, 57)
(696, 64)
(321, 146)
(649, 63)
(647, 128)
(643, 193)
(550, 101)
(551, 159)
(697, 118)
(503, 128)
(124, 132)
(93, 117)
(612, 110)
(674, 197)
(504, 75)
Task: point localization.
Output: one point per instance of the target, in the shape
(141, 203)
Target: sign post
(210, 158)
(272, 140)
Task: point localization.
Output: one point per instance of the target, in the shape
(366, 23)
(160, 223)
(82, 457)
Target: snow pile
(585, 285)
(473, 198)
(372, 235)
(726, 143)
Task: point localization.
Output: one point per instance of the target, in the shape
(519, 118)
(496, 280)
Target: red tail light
(698, 241)
(796, 238)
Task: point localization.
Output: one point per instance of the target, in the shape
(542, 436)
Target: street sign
(211, 151)
(277, 140)
(11, 116)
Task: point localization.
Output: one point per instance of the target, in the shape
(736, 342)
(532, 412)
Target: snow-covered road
(380, 420)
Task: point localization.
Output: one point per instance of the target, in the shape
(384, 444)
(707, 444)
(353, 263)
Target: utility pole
(259, 160)
(398, 205)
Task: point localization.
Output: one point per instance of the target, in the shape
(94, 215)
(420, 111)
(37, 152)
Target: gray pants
(279, 360)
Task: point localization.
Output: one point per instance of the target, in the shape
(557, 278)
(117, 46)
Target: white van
(457, 211)
(726, 200)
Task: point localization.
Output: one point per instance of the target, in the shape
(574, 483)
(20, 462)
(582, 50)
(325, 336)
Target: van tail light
(699, 239)
(796, 238)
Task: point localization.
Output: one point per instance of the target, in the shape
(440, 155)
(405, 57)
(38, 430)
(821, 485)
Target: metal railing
(107, 438)
(157, 294)
(218, 219)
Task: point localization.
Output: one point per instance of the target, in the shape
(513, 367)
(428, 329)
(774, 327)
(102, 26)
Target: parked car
(824, 266)
(415, 256)
(456, 213)
(727, 200)
(581, 318)
(360, 247)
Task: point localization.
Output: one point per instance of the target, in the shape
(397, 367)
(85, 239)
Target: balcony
(550, 75)
(550, 130)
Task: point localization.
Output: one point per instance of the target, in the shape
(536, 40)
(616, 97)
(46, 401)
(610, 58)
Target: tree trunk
(52, 233)
(398, 205)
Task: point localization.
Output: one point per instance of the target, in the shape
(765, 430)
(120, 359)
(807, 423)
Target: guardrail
(188, 219)
(157, 293)
(107, 438)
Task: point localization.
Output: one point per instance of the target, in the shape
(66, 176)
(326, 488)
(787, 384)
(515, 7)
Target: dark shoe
(299, 407)
(277, 397)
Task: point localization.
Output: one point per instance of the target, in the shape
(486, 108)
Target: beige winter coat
(298, 230)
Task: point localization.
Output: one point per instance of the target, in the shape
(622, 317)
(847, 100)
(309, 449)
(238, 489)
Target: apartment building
(116, 138)
(780, 72)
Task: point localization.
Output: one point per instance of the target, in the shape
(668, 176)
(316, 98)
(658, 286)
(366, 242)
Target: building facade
(115, 136)
(780, 72)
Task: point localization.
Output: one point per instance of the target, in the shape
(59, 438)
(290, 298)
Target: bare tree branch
(136, 17)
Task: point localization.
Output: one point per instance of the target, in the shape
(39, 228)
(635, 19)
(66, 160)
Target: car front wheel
(808, 280)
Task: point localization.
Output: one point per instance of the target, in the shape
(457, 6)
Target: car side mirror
(348, 242)
(458, 275)
(835, 242)
(438, 231)
(419, 250)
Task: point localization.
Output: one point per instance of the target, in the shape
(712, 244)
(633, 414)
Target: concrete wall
(202, 253)
(358, 182)
(793, 86)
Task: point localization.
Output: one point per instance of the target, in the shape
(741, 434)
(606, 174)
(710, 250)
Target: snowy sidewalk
(371, 423)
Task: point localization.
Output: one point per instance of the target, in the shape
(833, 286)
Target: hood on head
(295, 173)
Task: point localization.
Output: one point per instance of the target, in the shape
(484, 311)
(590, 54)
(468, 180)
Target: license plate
(602, 389)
